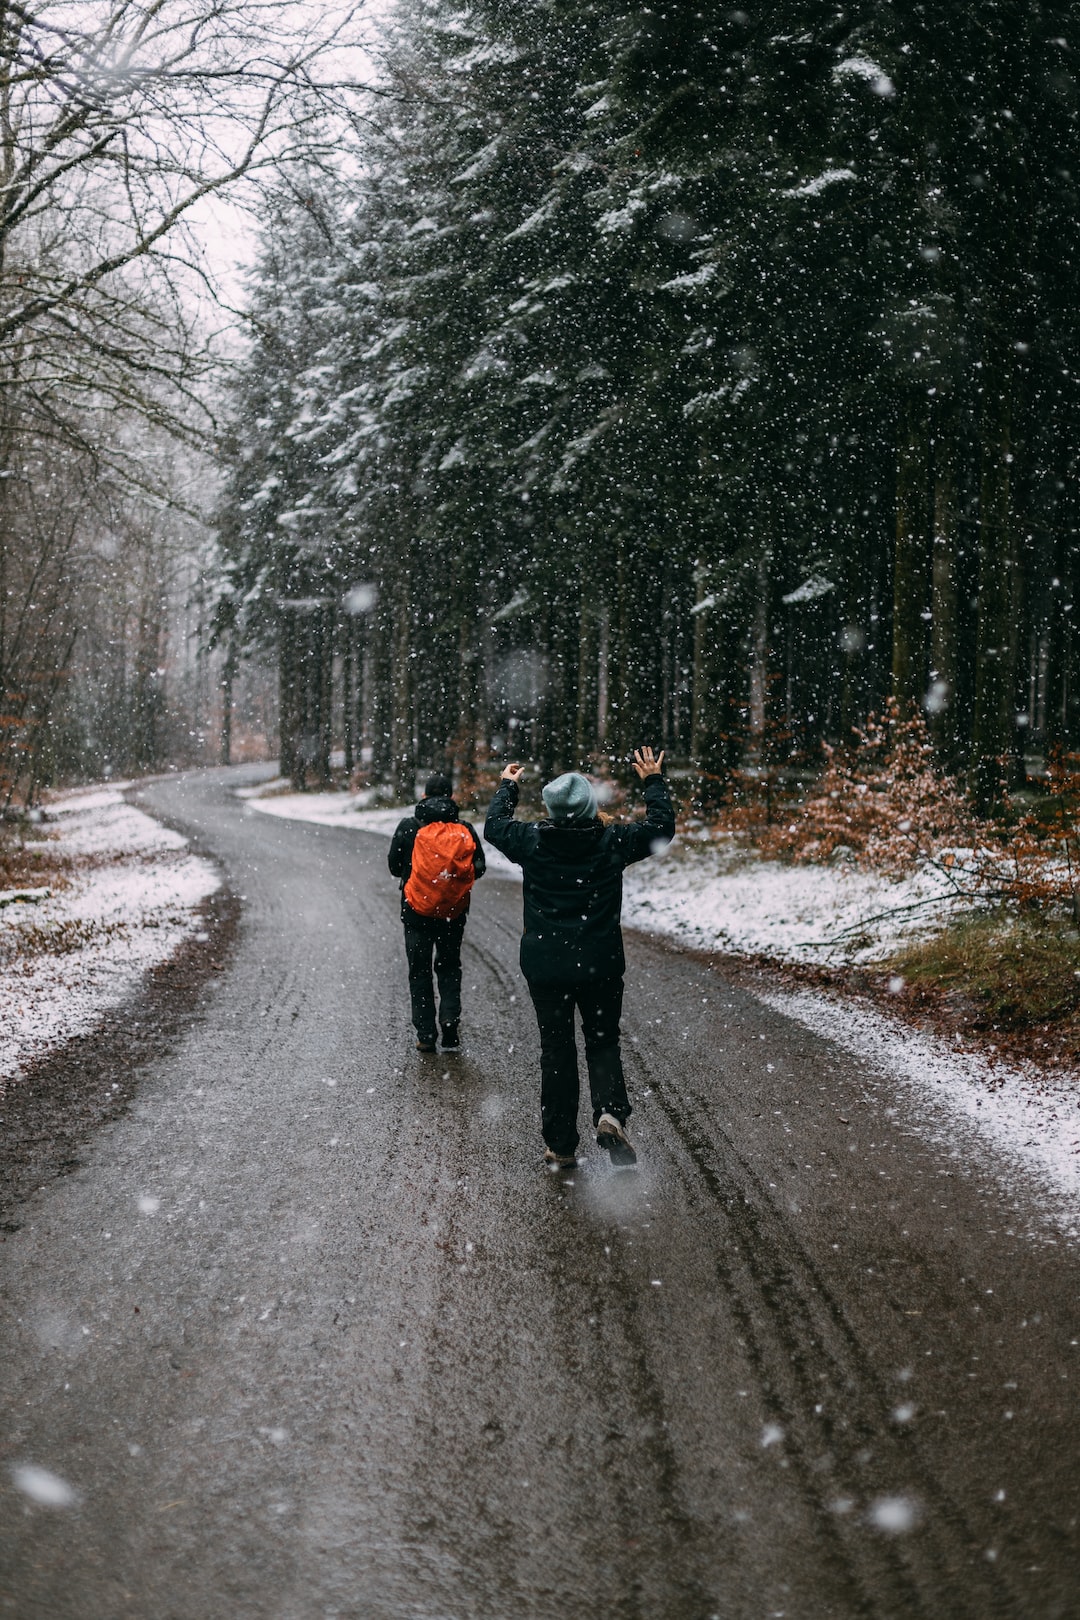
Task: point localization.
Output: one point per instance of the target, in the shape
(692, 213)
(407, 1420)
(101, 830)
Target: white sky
(225, 229)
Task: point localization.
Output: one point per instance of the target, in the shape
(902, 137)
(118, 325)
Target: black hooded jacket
(401, 845)
(573, 882)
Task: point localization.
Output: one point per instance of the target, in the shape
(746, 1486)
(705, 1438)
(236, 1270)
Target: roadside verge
(100, 973)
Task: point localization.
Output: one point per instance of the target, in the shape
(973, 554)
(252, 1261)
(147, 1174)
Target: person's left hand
(512, 773)
(646, 763)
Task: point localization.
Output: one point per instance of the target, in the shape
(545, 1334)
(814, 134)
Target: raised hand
(646, 763)
(512, 773)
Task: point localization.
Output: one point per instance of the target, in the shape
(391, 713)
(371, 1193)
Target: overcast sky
(226, 229)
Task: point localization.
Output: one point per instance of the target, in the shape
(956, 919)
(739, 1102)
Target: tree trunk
(585, 731)
(402, 762)
(708, 754)
(228, 677)
(323, 692)
(945, 626)
(992, 739)
(348, 704)
(1054, 722)
(911, 555)
(759, 659)
(603, 682)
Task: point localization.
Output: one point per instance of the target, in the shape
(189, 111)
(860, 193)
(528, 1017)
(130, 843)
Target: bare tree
(117, 117)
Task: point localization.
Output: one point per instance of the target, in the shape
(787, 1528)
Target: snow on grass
(714, 896)
(130, 900)
(1016, 1122)
(350, 810)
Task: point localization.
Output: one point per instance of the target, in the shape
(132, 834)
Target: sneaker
(451, 1037)
(425, 1043)
(611, 1136)
(562, 1161)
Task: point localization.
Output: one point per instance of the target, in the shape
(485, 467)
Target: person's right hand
(646, 763)
(512, 773)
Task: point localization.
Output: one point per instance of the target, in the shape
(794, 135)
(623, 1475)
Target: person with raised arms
(571, 948)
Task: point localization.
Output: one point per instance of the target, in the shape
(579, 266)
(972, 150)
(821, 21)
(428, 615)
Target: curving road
(313, 1333)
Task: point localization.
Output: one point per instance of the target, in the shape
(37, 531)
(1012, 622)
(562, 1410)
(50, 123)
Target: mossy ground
(1007, 976)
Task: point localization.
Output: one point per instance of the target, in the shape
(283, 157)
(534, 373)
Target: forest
(695, 375)
(119, 121)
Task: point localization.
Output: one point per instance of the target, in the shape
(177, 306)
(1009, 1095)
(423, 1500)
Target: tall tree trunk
(708, 753)
(464, 748)
(603, 682)
(992, 739)
(620, 691)
(348, 702)
(286, 716)
(402, 761)
(911, 554)
(1054, 723)
(228, 677)
(585, 731)
(324, 627)
(945, 622)
(759, 659)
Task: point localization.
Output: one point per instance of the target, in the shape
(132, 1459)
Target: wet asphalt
(312, 1332)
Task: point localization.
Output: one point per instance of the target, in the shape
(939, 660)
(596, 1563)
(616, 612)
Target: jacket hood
(436, 809)
(570, 835)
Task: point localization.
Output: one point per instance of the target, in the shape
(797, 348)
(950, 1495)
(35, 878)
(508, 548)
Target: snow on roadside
(349, 810)
(1018, 1123)
(716, 897)
(130, 901)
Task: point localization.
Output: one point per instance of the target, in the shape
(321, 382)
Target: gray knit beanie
(570, 798)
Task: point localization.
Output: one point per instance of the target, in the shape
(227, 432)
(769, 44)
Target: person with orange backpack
(438, 857)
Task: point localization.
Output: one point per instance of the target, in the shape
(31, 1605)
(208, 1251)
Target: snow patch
(129, 907)
(815, 186)
(621, 219)
(42, 1486)
(689, 281)
(809, 590)
(865, 68)
(712, 895)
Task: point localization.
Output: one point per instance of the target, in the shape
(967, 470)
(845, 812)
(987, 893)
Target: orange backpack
(442, 873)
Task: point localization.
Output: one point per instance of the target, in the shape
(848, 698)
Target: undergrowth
(1018, 969)
(1012, 976)
(29, 940)
(29, 862)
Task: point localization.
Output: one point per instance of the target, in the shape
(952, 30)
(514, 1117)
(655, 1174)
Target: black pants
(422, 936)
(600, 1005)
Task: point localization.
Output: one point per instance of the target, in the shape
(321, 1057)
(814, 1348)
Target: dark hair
(438, 787)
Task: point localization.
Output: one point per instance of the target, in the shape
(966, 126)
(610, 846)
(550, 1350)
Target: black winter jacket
(573, 882)
(401, 845)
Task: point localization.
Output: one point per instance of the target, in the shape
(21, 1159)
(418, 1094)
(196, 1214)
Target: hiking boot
(451, 1037)
(561, 1161)
(611, 1136)
(425, 1043)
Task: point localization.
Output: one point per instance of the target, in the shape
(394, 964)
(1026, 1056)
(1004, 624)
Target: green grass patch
(1013, 971)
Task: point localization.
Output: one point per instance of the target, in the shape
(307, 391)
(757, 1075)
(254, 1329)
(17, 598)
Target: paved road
(366, 1358)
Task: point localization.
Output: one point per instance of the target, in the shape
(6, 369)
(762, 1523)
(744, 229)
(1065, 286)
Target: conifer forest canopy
(696, 375)
(692, 374)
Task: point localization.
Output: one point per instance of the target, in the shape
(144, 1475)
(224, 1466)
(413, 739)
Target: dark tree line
(695, 375)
